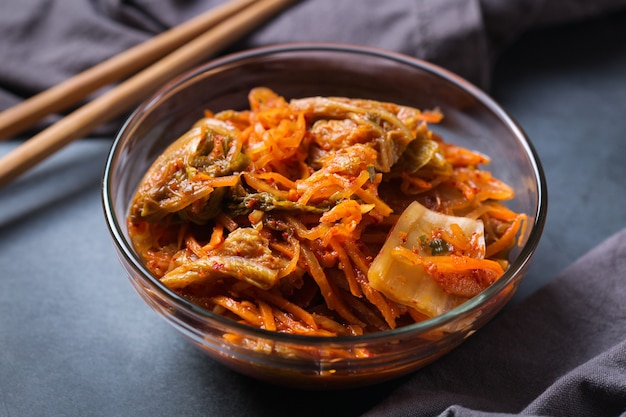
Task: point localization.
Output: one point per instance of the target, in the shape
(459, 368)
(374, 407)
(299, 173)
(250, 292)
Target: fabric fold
(596, 388)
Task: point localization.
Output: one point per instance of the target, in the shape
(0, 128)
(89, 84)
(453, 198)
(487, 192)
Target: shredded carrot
(193, 245)
(507, 240)
(293, 259)
(267, 315)
(227, 222)
(450, 264)
(332, 300)
(277, 178)
(370, 197)
(432, 116)
(346, 266)
(327, 323)
(459, 156)
(244, 309)
(296, 327)
(373, 296)
(259, 185)
(316, 233)
(414, 185)
(456, 237)
(215, 182)
(217, 237)
(283, 304)
(303, 194)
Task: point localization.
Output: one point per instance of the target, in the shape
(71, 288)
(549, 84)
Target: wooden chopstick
(61, 96)
(130, 92)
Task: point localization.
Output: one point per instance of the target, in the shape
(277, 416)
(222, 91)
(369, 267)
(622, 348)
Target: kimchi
(323, 216)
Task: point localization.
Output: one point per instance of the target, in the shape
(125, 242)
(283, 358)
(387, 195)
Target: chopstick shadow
(62, 179)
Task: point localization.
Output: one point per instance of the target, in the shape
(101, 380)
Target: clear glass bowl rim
(516, 267)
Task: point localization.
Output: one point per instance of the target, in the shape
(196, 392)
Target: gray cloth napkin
(43, 42)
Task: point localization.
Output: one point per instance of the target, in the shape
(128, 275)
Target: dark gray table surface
(75, 340)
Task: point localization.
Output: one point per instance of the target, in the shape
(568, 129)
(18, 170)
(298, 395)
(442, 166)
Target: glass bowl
(472, 119)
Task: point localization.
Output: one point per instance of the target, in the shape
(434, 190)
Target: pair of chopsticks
(162, 57)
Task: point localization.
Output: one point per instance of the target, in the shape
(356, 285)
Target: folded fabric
(43, 42)
(561, 352)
